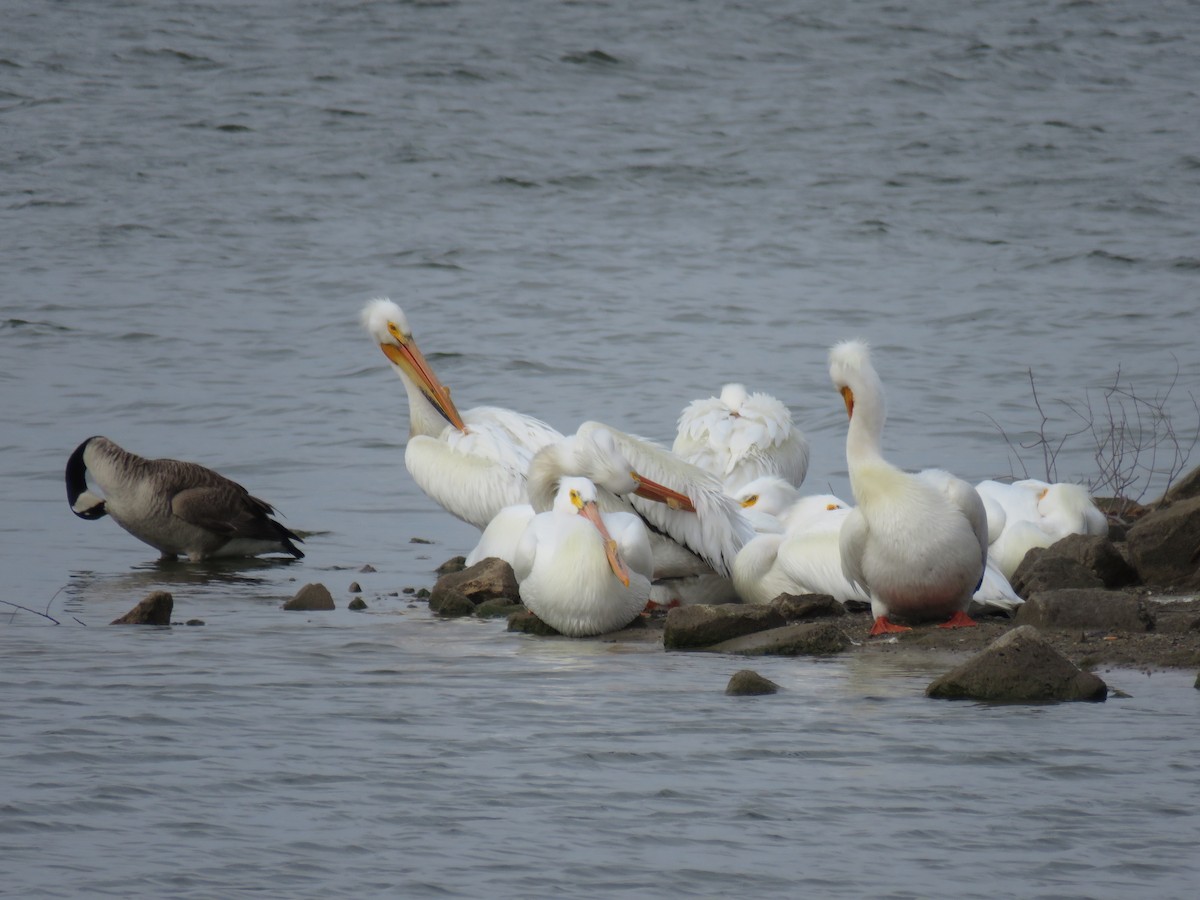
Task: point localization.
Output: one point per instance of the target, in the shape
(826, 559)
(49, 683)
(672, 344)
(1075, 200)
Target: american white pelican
(582, 572)
(805, 559)
(472, 464)
(706, 538)
(1032, 513)
(179, 508)
(918, 543)
(592, 455)
(741, 436)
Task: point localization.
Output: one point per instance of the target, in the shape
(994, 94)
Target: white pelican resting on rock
(179, 508)
(592, 455)
(806, 559)
(1032, 513)
(918, 543)
(741, 436)
(582, 572)
(472, 464)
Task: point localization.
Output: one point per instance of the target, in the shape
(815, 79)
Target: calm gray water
(589, 210)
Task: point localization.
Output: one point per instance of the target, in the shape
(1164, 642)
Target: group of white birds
(600, 524)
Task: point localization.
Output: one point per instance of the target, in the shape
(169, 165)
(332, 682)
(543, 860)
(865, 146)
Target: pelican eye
(394, 331)
(750, 501)
(575, 498)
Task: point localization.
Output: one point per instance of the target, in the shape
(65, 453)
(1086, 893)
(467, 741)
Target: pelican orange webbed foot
(883, 626)
(959, 620)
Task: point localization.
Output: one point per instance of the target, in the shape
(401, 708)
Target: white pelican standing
(582, 572)
(741, 436)
(918, 543)
(472, 464)
(1031, 513)
(592, 455)
(178, 508)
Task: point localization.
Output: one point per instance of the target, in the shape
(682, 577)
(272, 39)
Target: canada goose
(179, 508)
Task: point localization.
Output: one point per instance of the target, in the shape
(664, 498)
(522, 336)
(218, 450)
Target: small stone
(418, 540)
(423, 593)
(496, 608)
(454, 564)
(451, 604)
(356, 604)
(409, 590)
(154, 609)
(748, 683)
(312, 597)
(1019, 666)
(194, 622)
(367, 568)
(526, 622)
(355, 587)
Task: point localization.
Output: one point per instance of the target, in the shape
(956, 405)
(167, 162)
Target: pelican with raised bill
(472, 464)
(179, 508)
(740, 436)
(580, 571)
(918, 543)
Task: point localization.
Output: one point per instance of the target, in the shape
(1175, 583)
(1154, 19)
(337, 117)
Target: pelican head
(770, 494)
(577, 496)
(852, 373)
(734, 395)
(386, 323)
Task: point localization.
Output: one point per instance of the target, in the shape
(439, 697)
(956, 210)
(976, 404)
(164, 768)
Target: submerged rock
(1020, 666)
(748, 683)
(527, 623)
(451, 603)
(693, 627)
(496, 608)
(452, 565)
(357, 604)
(310, 598)
(153, 609)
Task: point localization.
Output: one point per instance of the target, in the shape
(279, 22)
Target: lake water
(588, 210)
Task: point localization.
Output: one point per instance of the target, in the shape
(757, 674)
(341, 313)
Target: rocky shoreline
(1127, 600)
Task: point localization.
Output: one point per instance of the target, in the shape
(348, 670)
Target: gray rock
(367, 568)
(355, 587)
(1088, 610)
(527, 623)
(1020, 666)
(153, 609)
(1165, 545)
(451, 603)
(488, 579)
(748, 683)
(194, 622)
(804, 639)
(1042, 571)
(311, 598)
(797, 608)
(496, 608)
(690, 627)
(357, 604)
(1185, 488)
(1099, 556)
(454, 564)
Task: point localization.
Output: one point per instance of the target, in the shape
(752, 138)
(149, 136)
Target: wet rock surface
(311, 598)
(748, 683)
(1019, 667)
(694, 627)
(488, 579)
(153, 609)
(1094, 610)
(803, 639)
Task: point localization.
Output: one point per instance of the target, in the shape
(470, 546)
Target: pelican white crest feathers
(918, 542)
(473, 464)
(179, 508)
(581, 571)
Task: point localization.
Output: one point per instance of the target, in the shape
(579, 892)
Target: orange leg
(883, 626)
(652, 605)
(959, 620)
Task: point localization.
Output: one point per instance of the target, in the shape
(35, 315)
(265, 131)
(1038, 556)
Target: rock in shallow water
(693, 627)
(803, 639)
(748, 683)
(1018, 667)
(154, 609)
(310, 598)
